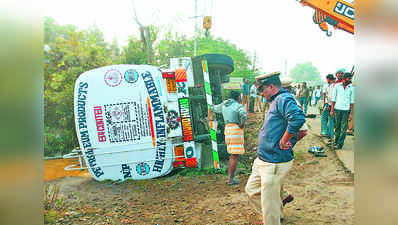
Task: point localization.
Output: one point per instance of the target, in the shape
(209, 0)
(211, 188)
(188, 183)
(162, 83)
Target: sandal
(316, 149)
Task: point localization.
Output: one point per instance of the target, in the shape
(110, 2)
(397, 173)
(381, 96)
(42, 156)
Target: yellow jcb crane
(336, 13)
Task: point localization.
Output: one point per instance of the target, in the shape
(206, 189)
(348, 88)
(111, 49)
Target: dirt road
(323, 191)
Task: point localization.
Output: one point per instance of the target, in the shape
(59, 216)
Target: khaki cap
(286, 82)
(267, 76)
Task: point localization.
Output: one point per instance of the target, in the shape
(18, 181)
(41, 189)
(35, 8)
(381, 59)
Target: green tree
(172, 46)
(70, 52)
(242, 61)
(114, 51)
(305, 72)
(136, 51)
(52, 30)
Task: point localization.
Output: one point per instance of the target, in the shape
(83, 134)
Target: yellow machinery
(332, 13)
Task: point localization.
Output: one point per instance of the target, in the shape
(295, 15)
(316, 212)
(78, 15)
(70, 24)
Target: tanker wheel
(220, 62)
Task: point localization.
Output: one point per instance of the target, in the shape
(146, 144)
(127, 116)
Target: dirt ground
(323, 191)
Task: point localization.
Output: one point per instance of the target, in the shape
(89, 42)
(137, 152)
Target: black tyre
(220, 62)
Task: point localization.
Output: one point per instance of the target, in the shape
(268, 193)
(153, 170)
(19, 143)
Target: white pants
(257, 104)
(263, 189)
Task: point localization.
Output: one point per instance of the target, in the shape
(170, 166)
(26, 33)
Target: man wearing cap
(235, 116)
(339, 76)
(327, 123)
(342, 108)
(276, 140)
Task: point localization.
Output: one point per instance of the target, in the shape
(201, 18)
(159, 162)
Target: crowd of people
(253, 101)
(337, 107)
(285, 108)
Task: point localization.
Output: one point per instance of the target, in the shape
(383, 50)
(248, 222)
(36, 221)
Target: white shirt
(325, 88)
(317, 93)
(343, 97)
(253, 91)
(328, 90)
(297, 91)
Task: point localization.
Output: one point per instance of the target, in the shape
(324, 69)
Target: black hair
(234, 95)
(330, 77)
(346, 75)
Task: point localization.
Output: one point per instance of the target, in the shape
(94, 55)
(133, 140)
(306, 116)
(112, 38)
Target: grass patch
(299, 156)
(51, 216)
(200, 171)
(52, 203)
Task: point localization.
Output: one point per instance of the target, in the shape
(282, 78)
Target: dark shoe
(288, 199)
(233, 182)
(320, 154)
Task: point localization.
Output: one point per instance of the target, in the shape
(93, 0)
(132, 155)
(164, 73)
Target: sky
(277, 31)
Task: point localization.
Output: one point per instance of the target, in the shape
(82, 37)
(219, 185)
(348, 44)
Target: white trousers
(264, 189)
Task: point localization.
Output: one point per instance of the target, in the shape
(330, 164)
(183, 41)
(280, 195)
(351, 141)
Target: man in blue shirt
(276, 140)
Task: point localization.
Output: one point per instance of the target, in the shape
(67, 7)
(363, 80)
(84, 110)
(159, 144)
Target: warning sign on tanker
(127, 122)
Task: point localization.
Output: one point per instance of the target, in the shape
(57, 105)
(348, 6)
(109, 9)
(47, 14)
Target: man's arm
(332, 109)
(242, 116)
(351, 111)
(216, 108)
(295, 119)
(334, 96)
(352, 104)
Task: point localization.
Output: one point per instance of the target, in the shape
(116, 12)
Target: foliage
(242, 61)
(52, 201)
(306, 72)
(298, 156)
(172, 46)
(71, 52)
(135, 51)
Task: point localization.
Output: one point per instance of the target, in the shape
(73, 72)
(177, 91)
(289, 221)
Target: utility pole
(286, 67)
(254, 63)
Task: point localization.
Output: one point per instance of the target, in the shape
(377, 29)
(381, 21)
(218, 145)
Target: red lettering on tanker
(99, 121)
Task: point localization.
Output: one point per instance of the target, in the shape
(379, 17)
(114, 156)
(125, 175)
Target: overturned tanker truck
(140, 122)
